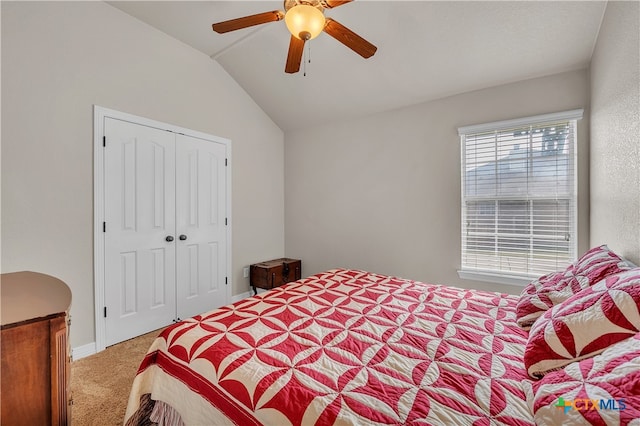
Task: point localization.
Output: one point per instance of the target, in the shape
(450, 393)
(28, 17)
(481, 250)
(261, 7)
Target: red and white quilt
(344, 347)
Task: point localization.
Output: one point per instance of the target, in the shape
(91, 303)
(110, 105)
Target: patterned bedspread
(344, 347)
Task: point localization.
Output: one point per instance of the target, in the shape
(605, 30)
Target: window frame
(503, 276)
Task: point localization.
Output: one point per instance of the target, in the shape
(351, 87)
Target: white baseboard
(240, 296)
(83, 351)
(246, 294)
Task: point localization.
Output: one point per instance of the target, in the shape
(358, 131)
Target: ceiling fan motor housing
(288, 4)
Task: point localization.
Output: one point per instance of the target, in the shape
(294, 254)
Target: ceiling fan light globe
(304, 22)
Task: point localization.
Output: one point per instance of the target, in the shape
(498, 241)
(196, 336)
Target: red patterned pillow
(603, 390)
(540, 295)
(552, 289)
(585, 324)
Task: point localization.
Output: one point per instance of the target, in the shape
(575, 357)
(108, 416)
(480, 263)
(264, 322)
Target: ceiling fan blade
(247, 21)
(330, 4)
(294, 57)
(350, 39)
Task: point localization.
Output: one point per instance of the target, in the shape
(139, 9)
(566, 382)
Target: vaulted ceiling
(426, 50)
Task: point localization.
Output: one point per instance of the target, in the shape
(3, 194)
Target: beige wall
(61, 58)
(383, 193)
(615, 131)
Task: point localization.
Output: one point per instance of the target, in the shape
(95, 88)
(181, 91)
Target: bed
(341, 347)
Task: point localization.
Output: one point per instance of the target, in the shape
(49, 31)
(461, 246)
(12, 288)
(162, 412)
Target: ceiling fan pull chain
(304, 61)
(307, 59)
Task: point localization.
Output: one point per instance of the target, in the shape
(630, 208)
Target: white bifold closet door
(165, 237)
(200, 224)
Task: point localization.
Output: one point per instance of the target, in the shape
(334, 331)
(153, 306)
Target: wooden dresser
(34, 349)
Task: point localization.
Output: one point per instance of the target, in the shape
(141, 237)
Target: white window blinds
(519, 195)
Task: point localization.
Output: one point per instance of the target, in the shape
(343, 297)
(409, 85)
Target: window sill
(490, 277)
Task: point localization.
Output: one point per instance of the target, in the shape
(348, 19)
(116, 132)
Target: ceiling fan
(305, 20)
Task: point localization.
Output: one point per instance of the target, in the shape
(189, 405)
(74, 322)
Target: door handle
(182, 237)
(169, 238)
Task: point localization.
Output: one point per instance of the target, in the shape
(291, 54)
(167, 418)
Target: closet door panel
(139, 216)
(200, 225)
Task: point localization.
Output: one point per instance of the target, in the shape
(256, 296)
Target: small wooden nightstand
(274, 273)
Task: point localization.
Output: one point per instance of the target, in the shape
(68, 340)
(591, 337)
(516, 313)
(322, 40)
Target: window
(519, 196)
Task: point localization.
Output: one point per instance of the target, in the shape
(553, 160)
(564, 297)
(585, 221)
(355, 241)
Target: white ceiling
(426, 50)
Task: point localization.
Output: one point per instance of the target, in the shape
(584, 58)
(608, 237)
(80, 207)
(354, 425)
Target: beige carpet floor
(100, 383)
